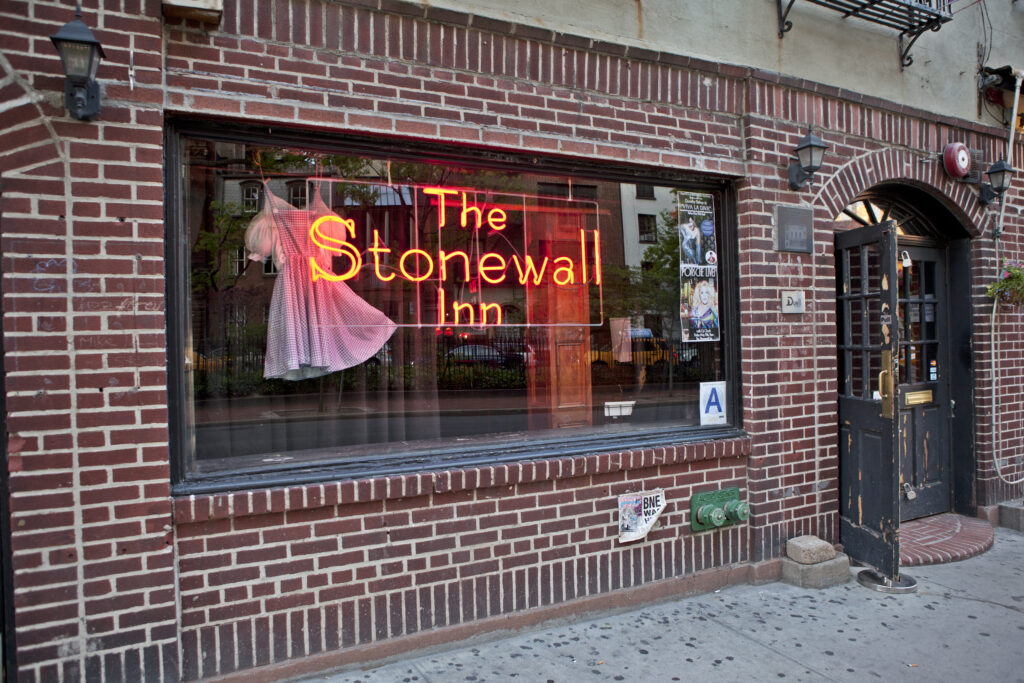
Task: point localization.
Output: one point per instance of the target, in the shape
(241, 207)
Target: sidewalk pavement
(965, 623)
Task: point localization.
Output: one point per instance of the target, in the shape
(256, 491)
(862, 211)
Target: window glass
(648, 228)
(418, 305)
(297, 193)
(251, 196)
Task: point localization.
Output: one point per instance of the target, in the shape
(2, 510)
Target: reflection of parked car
(523, 351)
(514, 349)
(481, 354)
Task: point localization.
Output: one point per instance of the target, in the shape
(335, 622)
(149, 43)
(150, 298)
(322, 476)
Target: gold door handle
(885, 387)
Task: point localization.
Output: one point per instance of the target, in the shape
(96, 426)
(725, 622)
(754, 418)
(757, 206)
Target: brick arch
(897, 165)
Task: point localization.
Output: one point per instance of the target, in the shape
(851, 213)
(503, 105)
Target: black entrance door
(924, 400)
(866, 311)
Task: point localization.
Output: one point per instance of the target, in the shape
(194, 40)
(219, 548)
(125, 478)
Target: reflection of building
(643, 207)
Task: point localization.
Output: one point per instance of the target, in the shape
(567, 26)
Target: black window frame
(649, 236)
(449, 456)
(296, 187)
(645, 191)
(245, 187)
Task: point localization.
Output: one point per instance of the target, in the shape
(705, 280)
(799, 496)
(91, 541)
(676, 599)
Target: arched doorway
(903, 317)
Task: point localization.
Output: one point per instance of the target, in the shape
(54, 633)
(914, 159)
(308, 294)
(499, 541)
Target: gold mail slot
(916, 398)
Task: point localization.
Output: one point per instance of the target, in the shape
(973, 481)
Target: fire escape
(910, 17)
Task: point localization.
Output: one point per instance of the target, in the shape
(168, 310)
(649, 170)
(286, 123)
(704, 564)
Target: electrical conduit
(996, 426)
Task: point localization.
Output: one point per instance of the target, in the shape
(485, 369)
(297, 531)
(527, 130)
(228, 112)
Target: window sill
(313, 487)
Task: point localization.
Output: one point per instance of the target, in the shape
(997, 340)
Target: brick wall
(271, 575)
(96, 589)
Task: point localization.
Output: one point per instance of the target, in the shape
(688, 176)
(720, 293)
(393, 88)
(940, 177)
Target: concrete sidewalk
(965, 623)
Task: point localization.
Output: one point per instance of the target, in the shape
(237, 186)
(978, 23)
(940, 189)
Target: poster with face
(698, 267)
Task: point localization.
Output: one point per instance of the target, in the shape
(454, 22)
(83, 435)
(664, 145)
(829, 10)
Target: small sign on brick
(794, 229)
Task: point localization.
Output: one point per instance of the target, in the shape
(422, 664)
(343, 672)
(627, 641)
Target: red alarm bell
(956, 159)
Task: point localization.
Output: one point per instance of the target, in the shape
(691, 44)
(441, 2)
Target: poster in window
(698, 267)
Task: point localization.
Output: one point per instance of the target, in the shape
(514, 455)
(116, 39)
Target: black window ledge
(505, 450)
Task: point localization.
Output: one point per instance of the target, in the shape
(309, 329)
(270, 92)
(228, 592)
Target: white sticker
(712, 403)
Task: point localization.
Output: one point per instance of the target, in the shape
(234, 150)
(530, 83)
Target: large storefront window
(355, 308)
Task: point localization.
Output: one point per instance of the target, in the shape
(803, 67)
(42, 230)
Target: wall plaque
(794, 229)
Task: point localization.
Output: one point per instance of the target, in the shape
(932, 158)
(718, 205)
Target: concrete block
(1011, 515)
(809, 550)
(989, 513)
(834, 572)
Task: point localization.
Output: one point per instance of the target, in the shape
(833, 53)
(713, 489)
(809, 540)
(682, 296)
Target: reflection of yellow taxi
(197, 361)
(646, 351)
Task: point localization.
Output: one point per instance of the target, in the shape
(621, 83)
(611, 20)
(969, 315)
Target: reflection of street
(261, 408)
(312, 426)
(257, 408)
(652, 404)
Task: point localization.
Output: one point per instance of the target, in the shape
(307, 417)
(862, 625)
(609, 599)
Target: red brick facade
(116, 580)
(270, 575)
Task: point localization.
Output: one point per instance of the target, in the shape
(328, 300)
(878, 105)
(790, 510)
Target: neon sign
(508, 248)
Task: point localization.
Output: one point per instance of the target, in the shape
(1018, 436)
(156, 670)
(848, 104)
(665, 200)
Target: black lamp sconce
(999, 174)
(80, 54)
(810, 152)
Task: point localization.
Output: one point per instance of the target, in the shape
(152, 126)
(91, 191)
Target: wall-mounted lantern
(999, 174)
(80, 54)
(810, 152)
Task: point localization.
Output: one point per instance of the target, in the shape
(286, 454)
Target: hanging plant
(1009, 287)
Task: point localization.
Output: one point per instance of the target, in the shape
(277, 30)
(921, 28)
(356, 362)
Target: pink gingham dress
(314, 328)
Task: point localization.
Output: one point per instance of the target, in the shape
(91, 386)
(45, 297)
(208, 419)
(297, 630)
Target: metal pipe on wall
(996, 427)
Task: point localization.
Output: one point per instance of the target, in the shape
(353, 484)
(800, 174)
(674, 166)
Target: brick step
(943, 538)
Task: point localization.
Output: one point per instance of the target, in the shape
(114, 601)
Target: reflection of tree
(230, 308)
(658, 279)
(653, 287)
(621, 298)
(273, 161)
(218, 240)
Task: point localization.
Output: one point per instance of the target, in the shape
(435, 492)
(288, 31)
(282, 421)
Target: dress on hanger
(317, 327)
